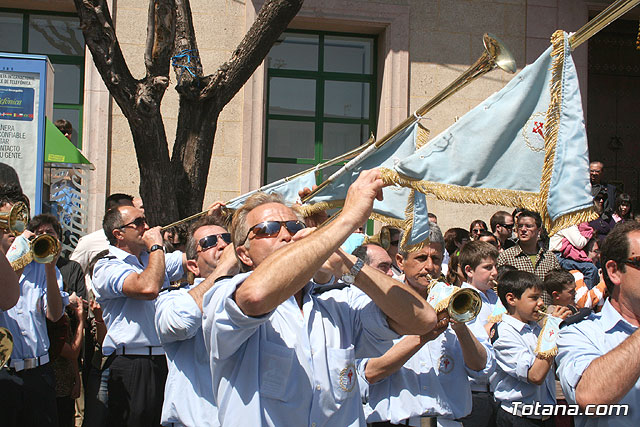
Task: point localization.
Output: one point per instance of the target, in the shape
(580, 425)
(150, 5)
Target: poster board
(26, 98)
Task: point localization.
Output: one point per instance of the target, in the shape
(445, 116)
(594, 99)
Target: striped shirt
(585, 297)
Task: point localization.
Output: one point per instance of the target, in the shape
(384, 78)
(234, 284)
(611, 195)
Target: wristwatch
(350, 277)
(155, 248)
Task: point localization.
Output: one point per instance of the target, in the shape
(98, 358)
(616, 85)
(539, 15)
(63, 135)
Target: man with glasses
(597, 358)
(282, 354)
(126, 282)
(28, 381)
(528, 254)
(189, 393)
(501, 224)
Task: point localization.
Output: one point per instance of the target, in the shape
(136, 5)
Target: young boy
(522, 378)
(478, 263)
(561, 286)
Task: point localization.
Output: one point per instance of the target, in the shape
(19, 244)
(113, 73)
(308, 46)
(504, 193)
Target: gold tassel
(494, 319)
(422, 136)
(308, 210)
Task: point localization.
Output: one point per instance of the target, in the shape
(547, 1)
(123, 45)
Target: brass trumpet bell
(15, 221)
(464, 305)
(44, 248)
(383, 238)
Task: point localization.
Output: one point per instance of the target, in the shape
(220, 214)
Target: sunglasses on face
(137, 223)
(633, 262)
(272, 228)
(210, 241)
(507, 226)
(477, 230)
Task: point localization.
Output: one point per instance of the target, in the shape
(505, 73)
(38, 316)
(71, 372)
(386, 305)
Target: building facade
(344, 69)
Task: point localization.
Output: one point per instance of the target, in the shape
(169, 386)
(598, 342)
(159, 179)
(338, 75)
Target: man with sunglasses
(126, 282)
(189, 392)
(598, 361)
(282, 354)
(502, 224)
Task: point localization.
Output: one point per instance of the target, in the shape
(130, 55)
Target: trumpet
(464, 305)
(15, 221)
(383, 238)
(41, 249)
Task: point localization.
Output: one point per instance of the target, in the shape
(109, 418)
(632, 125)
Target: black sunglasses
(212, 240)
(633, 262)
(137, 223)
(271, 228)
(507, 226)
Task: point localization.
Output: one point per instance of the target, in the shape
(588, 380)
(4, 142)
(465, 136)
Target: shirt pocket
(342, 372)
(275, 370)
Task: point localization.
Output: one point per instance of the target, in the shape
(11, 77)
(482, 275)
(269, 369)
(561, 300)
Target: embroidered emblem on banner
(446, 364)
(347, 378)
(533, 132)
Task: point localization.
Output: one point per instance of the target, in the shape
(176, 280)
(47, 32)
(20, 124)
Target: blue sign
(16, 103)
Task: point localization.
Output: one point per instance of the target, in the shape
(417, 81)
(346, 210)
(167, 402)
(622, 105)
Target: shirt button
(424, 387)
(318, 387)
(24, 333)
(313, 424)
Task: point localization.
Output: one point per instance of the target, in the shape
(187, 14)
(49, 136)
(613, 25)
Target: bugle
(15, 221)
(42, 249)
(464, 305)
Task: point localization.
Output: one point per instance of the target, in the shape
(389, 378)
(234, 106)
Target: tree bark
(174, 188)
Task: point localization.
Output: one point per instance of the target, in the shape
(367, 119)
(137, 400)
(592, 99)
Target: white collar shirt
(477, 326)
(291, 367)
(515, 354)
(433, 382)
(27, 320)
(579, 344)
(188, 392)
(130, 322)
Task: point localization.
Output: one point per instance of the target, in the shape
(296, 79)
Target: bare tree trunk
(174, 188)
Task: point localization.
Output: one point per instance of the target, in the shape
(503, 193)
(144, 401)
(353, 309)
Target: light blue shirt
(188, 392)
(579, 344)
(27, 320)
(291, 367)
(129, 321)
(434, 382)
(489, 301)
(515, 354)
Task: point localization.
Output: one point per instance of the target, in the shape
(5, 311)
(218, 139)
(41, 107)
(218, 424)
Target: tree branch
(188, 67)
(100, 37)
(160, 35)
(272, 20)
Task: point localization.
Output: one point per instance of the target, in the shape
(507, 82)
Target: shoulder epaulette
(582, 314)
(320, 289)
(493, 333)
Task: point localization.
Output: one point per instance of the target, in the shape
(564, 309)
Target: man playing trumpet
(426, 375)
(29, 381)
(282, 354)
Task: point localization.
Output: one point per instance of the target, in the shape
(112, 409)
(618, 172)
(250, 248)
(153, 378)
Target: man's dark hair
(12, 193)
(112, 220)
(516, 282)
(474, 252)
(616, 247)
(8, 175)
(361, 252)
(42, 219)
(192, 244)
(498, 218)
(113, 200)
(432, 217)
(526, 213)
(63, 125)
(557, 280)
(487, 233)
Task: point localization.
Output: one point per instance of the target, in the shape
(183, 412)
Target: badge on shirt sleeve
(445, 365)
(348, 378)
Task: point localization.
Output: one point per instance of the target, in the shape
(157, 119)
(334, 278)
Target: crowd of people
(267, 319)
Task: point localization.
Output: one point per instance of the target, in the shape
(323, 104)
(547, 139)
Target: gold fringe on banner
(460, 194)
(422, 136)
(22, 262)
(552, 127)
(308, 210)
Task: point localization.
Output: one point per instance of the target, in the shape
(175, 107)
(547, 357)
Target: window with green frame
(321, 99)
(58, 36)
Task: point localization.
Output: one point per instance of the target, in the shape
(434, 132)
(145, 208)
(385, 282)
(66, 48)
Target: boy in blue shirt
(478, 263)
(522, 377)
